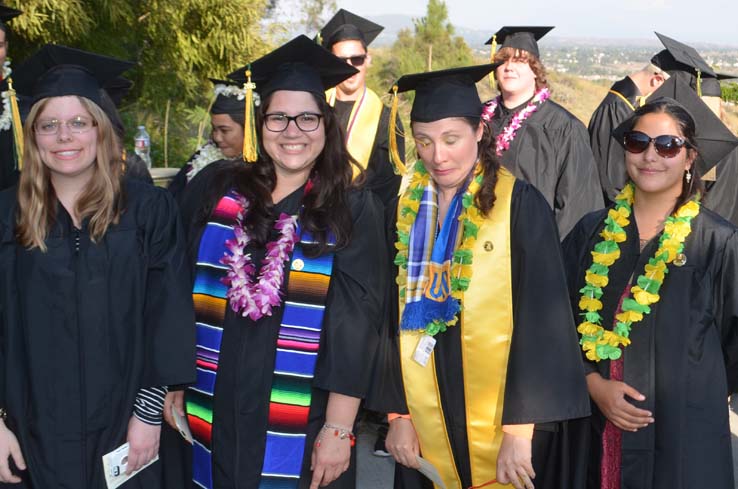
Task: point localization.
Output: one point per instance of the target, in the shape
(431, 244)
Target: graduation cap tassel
(699, 83)
(492, 60)
(250, 149)
(17, 126)
(395, 157)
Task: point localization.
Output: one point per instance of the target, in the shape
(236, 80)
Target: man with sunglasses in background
(360, 111)
(686, 71)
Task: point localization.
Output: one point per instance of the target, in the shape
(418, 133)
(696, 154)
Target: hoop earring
(688, 176)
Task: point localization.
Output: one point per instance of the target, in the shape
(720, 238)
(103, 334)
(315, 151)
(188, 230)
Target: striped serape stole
(209, 296)
(294, 368)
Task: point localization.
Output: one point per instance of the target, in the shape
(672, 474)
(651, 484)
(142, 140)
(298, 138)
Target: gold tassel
(250, 145)
(319, 39)
(393, 151)
(492, 82)
(699, 83)
(17, 126)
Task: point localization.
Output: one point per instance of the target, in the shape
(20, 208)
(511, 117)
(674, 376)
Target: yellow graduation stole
(487, 323)
(362, 126)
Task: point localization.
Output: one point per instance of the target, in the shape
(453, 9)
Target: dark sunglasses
(354, 60)
(666, 146)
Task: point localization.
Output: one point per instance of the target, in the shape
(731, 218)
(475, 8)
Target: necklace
(208, 153)
(507, 134)
(597, 342)
(256, 299)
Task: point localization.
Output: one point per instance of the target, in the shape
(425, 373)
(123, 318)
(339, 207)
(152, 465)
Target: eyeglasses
(666, 146)
(77, 125)
(306, 122)
(354, 60)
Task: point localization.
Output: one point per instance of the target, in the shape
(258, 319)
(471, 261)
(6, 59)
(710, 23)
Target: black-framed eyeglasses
(354, 60)
(76, 125)
(666, 145)
(306, 122)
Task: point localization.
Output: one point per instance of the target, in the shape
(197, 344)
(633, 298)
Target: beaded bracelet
(338, 431)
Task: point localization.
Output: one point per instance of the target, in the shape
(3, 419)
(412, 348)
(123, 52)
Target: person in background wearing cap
(360, 111)
(676, 60)
(226, 136)
(95, 319)
(10, 126)
(621, 100)
(483, 336)
(111, 96)
(538, 140)
(653, 279)
(290, 270)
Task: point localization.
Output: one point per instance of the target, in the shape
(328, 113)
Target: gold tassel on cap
(395, 157)
(492, 60)
(699, 83)
(17, 126)
(250, 145)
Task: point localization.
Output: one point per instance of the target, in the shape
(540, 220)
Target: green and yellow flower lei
(461, 265)
(597, 342)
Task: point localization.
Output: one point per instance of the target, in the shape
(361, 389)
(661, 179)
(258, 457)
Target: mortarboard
(345, 26)
(519, 37)
(714, 139)
(229, 97)
(299, 65)
(7, 14)
(439, 95)
(57, 71)
(679, 57)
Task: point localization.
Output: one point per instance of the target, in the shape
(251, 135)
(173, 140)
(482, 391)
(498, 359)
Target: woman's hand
(331, 458)
(9, 447)
(143, 440)
(176, 399)
(402, 442)
(514, 462)
(609, 395)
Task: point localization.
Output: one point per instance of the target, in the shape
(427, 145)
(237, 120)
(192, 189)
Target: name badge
(424, 350)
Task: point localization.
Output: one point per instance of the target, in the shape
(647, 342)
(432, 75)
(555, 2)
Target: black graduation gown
(721, 195)
(351, 333)
(683, 356)
(608, 153)
(84, 328)
(136, 169)
(545, 379)
(8, 169)
(551, 151)
(381, 178)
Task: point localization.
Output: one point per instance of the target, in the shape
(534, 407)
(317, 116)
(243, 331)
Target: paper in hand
(115, 464)
(428, 470)
(182, 426)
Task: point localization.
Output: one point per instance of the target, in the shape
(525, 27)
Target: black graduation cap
(520, 37)
(118, 88)
(56, 71)
(229, 98)
(299, 65)
(345, 26)
(679, 57)
(714, 139)
(8, 14)
(445, 93)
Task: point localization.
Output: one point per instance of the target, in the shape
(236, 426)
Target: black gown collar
(628, 89)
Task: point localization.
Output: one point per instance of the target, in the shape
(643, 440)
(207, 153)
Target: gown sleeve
(728, 308)
(382, 179)
(578, 188)
(608, 153)
(545, 377)
(169, 316)
(353, 322)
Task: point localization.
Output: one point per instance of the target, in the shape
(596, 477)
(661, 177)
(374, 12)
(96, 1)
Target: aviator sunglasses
(666, 146)
(354, 60)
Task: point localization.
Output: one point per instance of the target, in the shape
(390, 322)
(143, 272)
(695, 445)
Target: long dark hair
(325, 208)
(686, 125)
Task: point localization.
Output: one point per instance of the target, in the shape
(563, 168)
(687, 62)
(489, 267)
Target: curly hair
(523, 56)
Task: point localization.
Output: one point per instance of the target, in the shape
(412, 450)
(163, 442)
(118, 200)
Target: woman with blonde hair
(94, 320)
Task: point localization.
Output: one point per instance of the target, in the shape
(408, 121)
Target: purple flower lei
(247, 298)
(507, 135)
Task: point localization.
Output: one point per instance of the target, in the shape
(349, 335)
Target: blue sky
(632, 19)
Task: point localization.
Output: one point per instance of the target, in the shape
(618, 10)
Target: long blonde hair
(101, 200)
